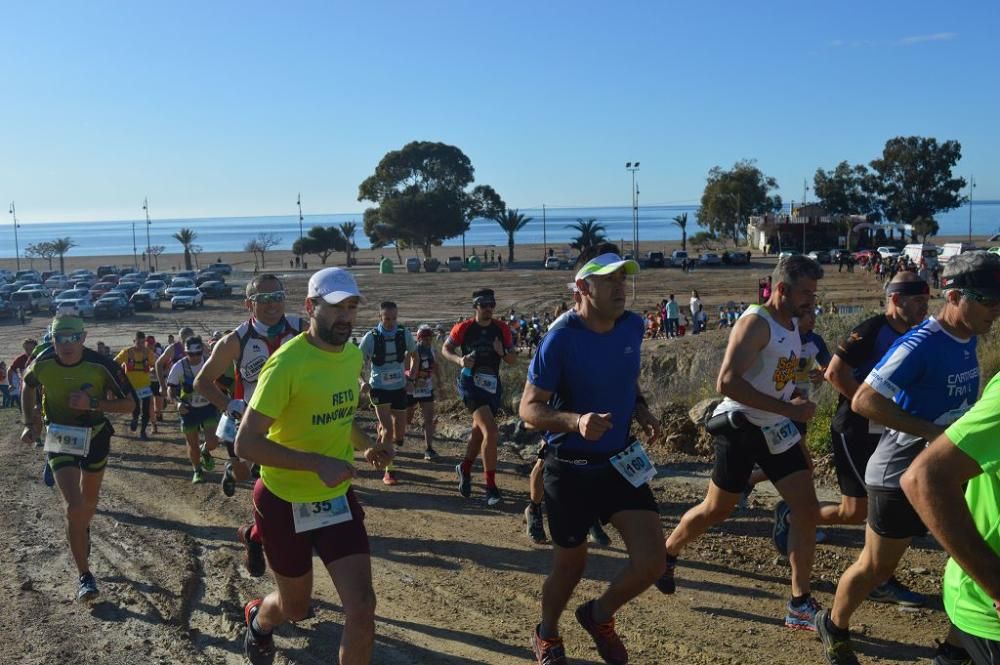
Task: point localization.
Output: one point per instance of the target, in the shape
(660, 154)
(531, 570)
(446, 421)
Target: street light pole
(299, 203)
(17, 250)
(149, 255)
(135, 249)
(972, 186)
(633, 167)
(545, 238)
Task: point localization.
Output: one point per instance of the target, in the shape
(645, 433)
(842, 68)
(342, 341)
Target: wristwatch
(93, 403)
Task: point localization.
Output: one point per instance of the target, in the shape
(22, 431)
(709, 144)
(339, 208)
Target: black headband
(917, 287)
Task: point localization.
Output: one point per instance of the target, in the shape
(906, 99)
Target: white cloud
(920, 39)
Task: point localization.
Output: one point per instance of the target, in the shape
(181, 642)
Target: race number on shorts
(66, 440)
(634, 465)
(318, 514)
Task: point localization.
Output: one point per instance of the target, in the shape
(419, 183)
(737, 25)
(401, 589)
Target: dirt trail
(457, 583)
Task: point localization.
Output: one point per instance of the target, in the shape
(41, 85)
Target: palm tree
(590, 233)
(511, 221)
(348, 229)
(60, 246)
(681, 221)
(186, 237)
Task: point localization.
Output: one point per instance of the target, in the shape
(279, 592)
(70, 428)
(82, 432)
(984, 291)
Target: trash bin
(474, 264)
(385, 267)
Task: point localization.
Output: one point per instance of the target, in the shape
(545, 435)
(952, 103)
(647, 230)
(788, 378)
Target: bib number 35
(313, 515)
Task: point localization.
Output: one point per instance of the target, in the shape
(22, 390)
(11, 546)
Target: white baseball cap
(333, 285)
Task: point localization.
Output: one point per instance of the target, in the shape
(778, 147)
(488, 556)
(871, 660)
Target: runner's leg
(483, 420)
(850, 510)
(194, 452)
(352, 577)
(290, 602)
(536, 486)
(716, 507)
(876, 563)
(427, 411)
(80, 491)
(643, 536)
(567, 569)
(798, 492)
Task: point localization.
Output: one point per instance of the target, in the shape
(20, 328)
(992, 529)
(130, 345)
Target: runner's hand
(334, 471)
(647, 421)
(469, 360)
(802, 410)
(592, 426)
(816, 376)
(30, 434)
(498, 348)
(379, 456)
(365, 389)
(79, 400)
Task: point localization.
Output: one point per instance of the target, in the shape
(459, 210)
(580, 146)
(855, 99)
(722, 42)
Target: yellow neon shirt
(312, 395)
(137, 365)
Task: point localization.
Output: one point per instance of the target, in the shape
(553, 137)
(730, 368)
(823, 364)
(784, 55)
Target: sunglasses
(267, 298)
(976, 297)
(72, 338)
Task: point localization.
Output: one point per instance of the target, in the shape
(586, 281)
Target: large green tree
(420, 196)
(321, 241)
(589, 233)
(731, 196)
(186, 237)
(511, 221)
(847, 190)
(913, 179)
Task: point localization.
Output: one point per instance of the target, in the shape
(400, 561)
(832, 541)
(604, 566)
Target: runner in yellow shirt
(299, 426)
(137, 360)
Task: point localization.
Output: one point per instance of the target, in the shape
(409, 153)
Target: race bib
(197, 401)
(424, 388)
(66, 440)
(780, 436)
(634, 465)
(318, 514)
(394, 376)
(143, 393)
(875, 428)
(487, 382)
(226, 429)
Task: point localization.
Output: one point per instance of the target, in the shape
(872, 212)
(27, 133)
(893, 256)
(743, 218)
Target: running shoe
(197, 476)
(666, 583)
(207, 461)
(598, 536)
(229, 480)
(47, 477)
(609, 645)
(258, 649)
(779, 535)
(548, 652)
(493, 497)
(430, 455)
(894, 591)
(838, 651)
(533, 523)
(464, 482)
(143, 435)
(389, 478)
(253, 552)
(133, 425)
(744, 502)
(803, 615)
(88, 588)
(949, 654)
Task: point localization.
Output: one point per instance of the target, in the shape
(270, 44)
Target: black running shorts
(982, 650)
(891, 515)
(396, 399)
(738, 450)
(577, 496)
(851, 453)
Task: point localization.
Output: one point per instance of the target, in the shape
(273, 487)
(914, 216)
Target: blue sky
(226, 108)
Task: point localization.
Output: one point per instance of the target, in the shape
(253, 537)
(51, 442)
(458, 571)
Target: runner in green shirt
(967, 525)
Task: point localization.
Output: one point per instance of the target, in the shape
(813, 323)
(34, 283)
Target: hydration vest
(378, 353)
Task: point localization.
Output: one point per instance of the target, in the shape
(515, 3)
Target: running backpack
(378, 353)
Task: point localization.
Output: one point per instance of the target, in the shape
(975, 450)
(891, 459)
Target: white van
(923, 250)
(950, 249)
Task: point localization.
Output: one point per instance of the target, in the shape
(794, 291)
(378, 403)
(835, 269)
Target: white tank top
(256, 347)
(773, 371)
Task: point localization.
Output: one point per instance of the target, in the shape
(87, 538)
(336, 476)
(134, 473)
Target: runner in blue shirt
(582, 390)
(926, 381)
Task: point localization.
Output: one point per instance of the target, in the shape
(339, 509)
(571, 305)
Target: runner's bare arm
(163, 364)
(933, 484)
(31, 416)
(452, 353)
(537, 414)
(749, 336)
(644, 417)
(869, 403)
(841, 377)
(378, 455)
(223, 355)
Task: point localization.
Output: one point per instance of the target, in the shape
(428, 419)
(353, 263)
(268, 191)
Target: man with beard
(582, 389)
(477, 345)
(246, 349)
(299, 426)
(755, 424)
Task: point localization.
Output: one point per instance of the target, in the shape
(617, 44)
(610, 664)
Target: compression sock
(257, 630)
(491, 478)
(798, 600)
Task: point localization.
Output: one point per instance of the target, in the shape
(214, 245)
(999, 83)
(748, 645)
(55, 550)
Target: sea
(230, 234)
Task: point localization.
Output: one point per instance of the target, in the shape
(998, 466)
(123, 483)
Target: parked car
(6, 309)
(129, 287)
(185, 274)
(678, 257)
(178, 284)
(156, 287)
(103, 271)
(98, 290)
(144, 300)
(81, 307)
(6, 276)
(735, 258)
(32, 300)
(655, 260)
(216, 289)
(819, 255)
(455, 264)
(70, 295)
(187, 299)
(710, 259)
(222, 268)
(112, 306)
(162, 276)
(139, 276)
(6, 290)
(29, 276)
(864, 256)
(553, 263)
(887, 252)
(208, 276)
(788, 253)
